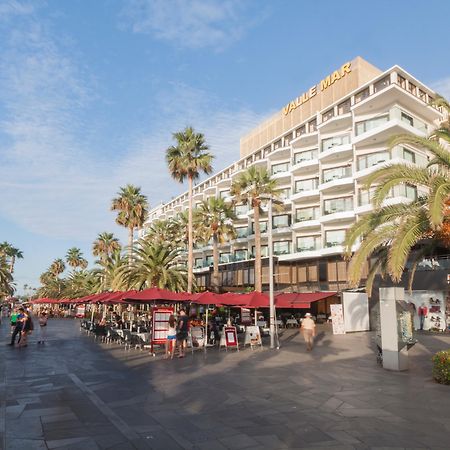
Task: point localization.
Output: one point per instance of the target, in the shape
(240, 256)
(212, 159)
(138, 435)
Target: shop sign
(230, 337)
(246, 318)
(322, 86)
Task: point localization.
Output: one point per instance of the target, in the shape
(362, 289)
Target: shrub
(441, 367)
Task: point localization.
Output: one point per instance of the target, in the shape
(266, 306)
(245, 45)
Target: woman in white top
(171, 337)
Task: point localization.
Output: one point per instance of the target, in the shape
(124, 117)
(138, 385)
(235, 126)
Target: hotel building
(320, 148)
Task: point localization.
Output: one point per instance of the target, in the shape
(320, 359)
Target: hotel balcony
(262, 162)
(337, 216)
(305, 195)
(336, 123)
(305, 140)
(305, 161)
(336, 152)
(337, 180)
(306, 224)
(281, 152)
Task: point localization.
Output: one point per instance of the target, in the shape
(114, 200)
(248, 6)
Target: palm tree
(74, 258)
(109, 272)
(6, 280)
(187, 160)
(12, 253)
(57, 267)
(154, 265)
(105, 245)
(249, 188)
(133, 211)
(216, 215)
(391, 233)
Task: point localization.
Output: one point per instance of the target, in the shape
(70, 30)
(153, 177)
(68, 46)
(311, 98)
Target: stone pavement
(76, 393)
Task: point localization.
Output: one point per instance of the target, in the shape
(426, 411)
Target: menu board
(160, 324)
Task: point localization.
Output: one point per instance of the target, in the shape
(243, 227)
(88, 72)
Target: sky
(91, 92)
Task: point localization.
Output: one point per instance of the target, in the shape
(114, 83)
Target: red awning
(44, 300)
(300, 300)
(205, 298)
(153, 294)
(257, 300)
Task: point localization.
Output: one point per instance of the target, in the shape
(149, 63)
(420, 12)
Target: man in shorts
(182, 332)
(309, 331)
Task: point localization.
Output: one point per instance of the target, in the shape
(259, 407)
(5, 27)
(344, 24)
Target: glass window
(209, 260)
(365, 196)
(225, 257)
(412, 88)
(407, 118)
(327, 115)
(335, 141)
(306, 185)
(281, 221)
(287, 139)
(241, 232)
(303, 214)
(370, 124)
(279, 168)
(337, 173)
(361, 95)
(312, 126)
(224, 194)
(240, 210)
(240, 255)
(373, 159)
(262, 227)
(381, 84)
(277, 144)
(284, 194)
(198, 263)
(344, 107)
(305, 156)
(336, 205)
(408, 155)
(266, 151)
(301, 130)
(264, 251)
(308, 243)
(422, 95)
(334, 238)
(281, 248)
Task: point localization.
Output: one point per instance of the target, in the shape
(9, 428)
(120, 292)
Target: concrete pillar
(395, 353)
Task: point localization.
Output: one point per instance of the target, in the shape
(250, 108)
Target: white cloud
(53, 182)
(189, 23)
(442, 87)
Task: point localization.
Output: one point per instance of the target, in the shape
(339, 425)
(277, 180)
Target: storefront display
(430, 310)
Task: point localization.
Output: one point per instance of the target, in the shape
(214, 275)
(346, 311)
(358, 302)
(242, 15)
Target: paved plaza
(76, 393)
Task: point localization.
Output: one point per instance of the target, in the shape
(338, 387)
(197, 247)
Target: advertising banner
(337, 319)
(160, 328)
(252, 336)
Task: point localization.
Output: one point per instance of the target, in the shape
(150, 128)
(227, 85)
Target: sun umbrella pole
(206, 328)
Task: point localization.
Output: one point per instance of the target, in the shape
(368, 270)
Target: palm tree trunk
(11, 266)
(130, 244)
(258, 281)
(190, 240)
(215, 263)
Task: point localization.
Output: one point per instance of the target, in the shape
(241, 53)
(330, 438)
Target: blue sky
(90, 92)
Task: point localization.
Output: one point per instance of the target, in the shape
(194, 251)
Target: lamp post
(271, 294)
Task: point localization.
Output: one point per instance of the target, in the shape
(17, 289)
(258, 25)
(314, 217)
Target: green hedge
(441, 367)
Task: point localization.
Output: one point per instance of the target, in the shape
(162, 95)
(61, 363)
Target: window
(327, 115)
(301, 130)
(381, 84)
(308, 243)
(258, 156)
(279, 168)
(281, 248)
(262, 227)
(264, 251)
(209, 261)
(225, 257)
(241, 232)
(337, 205)
(344, 107)
(312, 126)
(407, 191)
(407, 118)
(373, 159)
(224, 194)
(306, 185)
(422, 95)
(401, 81)
(285, 193)
(240, 255)
(361, 95)
(408, 155)
(370, 124)
(281, 221)
(329, 143)
(305, 156)
(277, 144)
(334, 238)
(303, 214)
(240, 210)
(337, 173)
(266, 151)
(198, 263)
(287, 139)
(365, 196)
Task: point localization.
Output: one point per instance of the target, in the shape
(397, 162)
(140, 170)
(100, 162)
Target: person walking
(171, 337)
(42, 328)
(13, 319)
(18, 325)
(308, 328)
(27, 328)
(182, 332)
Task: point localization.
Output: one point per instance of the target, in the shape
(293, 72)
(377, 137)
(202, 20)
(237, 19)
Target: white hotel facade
(320, 148)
